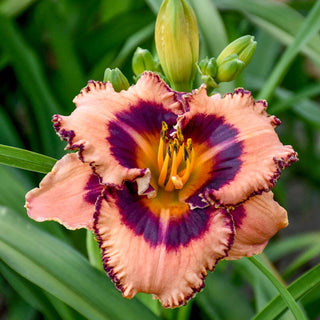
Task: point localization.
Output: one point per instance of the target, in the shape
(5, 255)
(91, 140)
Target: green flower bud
(117, 78)
(143, 61)
(247, 53)
(208, 67)
(244, 47)
(229, 68)
(177, 42)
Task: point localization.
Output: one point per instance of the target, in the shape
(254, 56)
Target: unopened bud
(143, 61)
(247, 53)
(117, 78)
(244, 47)
(177, 42)
(229, 68)
(208, 67)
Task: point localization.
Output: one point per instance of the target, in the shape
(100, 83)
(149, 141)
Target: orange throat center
(175, 159)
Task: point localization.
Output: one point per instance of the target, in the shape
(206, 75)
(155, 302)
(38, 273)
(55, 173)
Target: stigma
(175, 159)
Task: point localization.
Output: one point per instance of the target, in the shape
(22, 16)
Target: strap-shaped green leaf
(62, 271)
(284, 293)
(31, 76)
(209, 19)
(25, 159)
(13, 8)
(30, 292)
(307, 31)
(298, 289)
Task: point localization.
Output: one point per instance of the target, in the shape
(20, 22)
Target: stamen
(180, 135)
(191, 153)
(187, 172)
(175, 145)
(178, 154)
(164, 169)
(164, 129)
(160, 153)
(189, 144)
(162, 142)
(186, 154)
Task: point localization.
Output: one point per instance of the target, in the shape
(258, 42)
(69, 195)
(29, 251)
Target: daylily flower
(169, 182)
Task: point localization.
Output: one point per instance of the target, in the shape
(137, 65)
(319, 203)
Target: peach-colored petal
(103, 116)
(241, 150)
(159, 255)
(256, 221)
(67, 194)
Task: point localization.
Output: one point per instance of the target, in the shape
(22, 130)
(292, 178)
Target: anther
(170, 149)
(189, 144)
(164, 130)
(180, 135)
(175, 145)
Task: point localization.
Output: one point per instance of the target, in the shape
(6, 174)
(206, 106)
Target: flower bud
(208, 67)
(143, 61)
(177, 42)
(247, 53)
(229, 68)
(244, 47)
(117, 78)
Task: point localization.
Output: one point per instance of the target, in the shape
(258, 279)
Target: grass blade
(63, 272)
(285, 294)
(28, 291)
(209, 19)
(12, 8)
(8, 133)
(70, 75)
(307, 31)
(303, 259)
(280, 249)
(297, 289)
(25, 159)
(31, 77)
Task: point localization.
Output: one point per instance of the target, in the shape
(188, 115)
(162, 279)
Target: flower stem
(284, 293)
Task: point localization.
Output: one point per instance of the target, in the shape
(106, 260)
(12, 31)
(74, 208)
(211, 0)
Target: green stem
(308, 29)
(285, 294)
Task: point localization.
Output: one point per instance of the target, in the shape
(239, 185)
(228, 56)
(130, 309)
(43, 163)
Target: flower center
(175, 159)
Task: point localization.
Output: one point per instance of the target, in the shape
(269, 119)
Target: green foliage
(49, 50)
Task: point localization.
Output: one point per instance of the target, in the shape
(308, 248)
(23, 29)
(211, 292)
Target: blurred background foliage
(48, 51)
